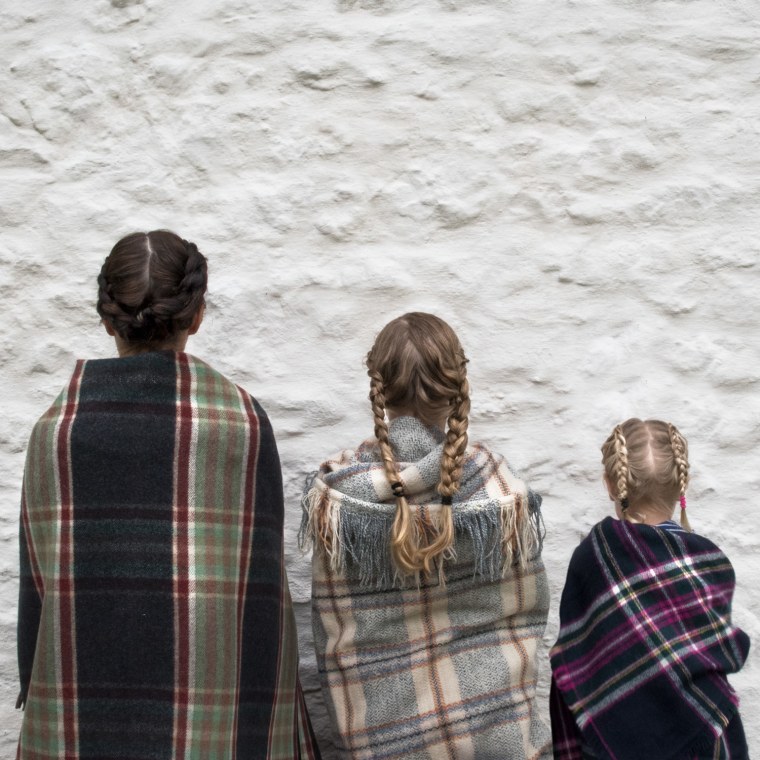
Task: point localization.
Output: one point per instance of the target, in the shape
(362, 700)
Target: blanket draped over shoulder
(645, 642)
(428, 670)
(155, 619)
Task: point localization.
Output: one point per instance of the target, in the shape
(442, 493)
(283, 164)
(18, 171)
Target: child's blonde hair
(648, 462)
(417, 365)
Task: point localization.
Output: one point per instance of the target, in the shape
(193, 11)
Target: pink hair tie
(683, 502)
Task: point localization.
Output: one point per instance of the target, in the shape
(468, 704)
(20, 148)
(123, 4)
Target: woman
(429, 594)
(155, 619)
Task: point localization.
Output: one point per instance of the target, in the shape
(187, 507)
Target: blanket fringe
(522, 530)
(500, 536)
(320, 525)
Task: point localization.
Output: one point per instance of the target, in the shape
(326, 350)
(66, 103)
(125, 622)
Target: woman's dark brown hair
(151, 286)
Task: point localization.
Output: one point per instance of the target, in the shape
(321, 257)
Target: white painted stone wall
(574, 185)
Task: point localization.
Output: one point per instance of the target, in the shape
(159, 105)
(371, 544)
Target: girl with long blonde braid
(646, 639)
(429, 596)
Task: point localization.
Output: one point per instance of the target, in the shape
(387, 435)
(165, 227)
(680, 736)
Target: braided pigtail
(405, 548)
(621, 466)
(451, 471)
(678, 444)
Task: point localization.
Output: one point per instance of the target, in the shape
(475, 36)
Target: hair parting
(648, 463)
(151, 286)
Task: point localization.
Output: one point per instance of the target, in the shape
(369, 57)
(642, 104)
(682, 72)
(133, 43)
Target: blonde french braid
(682, 465)
(621, 466)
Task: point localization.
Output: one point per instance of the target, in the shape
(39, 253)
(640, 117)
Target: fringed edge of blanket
(504, 533)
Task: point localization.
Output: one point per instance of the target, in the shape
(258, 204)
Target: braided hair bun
(151, 286)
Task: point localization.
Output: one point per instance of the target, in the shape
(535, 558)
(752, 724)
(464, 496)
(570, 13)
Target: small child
(412, 667)
(646, 640)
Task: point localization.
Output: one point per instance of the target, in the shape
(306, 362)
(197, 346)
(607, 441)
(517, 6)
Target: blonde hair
(647, 462)
(417, 365)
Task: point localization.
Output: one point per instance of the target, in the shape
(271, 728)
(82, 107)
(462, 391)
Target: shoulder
(492, 467)
(43, 439)
(204, 374)
(586, 554)
(696, 540)
(342, 465)
(367, 451)
(65, 397)
(363, 454)
(705, 555)
(585, 577)
(478, 450)
(583, 554)
(483, 449)
(218, 390)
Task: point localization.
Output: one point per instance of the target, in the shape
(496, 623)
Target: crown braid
(196, 271)
(151, 286)
(109, 308)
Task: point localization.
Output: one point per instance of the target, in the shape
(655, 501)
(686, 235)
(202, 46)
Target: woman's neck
(127, 348)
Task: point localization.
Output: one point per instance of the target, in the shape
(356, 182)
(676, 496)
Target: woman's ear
(109, 327)
(197, 319)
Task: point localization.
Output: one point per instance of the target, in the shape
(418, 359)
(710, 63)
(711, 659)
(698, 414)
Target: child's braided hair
(647, 462)
(417, 365)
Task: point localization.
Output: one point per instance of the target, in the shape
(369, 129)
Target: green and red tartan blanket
(645, 643)
(155, 619)
(430, 671)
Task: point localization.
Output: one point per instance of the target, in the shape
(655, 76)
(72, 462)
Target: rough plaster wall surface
(572, 185)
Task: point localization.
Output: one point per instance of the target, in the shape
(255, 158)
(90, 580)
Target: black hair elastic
(446, 501)
(398, 489)
(624, 504)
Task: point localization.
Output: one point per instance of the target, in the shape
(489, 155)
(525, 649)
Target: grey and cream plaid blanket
(428, 671)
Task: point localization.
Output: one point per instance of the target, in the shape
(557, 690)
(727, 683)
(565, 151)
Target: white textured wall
(573, 185)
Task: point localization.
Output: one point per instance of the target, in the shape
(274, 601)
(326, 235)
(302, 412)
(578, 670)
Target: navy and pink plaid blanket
(645, 643)
(155, 620)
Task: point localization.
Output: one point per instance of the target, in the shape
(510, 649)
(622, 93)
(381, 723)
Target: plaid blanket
(645, 642)
(155, 620)
(431, 671)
